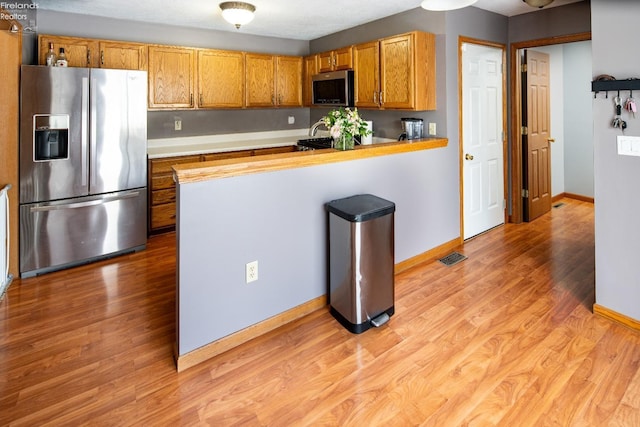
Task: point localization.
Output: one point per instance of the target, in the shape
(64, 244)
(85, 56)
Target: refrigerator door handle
(101, 201)
(84, 130)
(93, 126)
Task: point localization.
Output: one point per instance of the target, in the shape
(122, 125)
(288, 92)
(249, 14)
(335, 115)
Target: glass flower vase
(344, 142)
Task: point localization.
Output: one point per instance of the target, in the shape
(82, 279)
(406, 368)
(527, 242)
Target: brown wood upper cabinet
(124, 56)
(220, 79)
(310, 68)
(339, 59)
(79, 52)
(171, 77)
(289, 81)
(95, 53)
(273, 81)
(366, 60)
(397, 72)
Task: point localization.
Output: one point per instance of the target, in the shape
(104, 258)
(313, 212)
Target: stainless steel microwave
(334, 88)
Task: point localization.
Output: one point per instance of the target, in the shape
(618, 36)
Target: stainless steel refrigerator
(83, 173)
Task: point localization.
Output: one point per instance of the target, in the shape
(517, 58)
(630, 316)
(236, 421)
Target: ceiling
(291, 19)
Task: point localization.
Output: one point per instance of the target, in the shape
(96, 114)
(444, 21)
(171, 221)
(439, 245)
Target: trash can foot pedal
(380, 320)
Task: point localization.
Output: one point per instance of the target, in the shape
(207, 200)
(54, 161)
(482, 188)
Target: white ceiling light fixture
(538, 3)
(439, 5)
(237, 13)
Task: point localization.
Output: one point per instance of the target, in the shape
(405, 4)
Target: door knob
(468, 156)
(551, 140)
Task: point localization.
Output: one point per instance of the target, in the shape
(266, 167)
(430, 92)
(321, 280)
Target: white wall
(578, 125)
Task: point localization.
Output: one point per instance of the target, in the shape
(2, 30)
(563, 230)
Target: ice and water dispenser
(50, 137)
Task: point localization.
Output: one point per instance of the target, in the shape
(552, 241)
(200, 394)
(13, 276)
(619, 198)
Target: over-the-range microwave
(334, 88)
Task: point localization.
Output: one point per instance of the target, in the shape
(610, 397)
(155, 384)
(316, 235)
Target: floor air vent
(452, 259)
(558, 205)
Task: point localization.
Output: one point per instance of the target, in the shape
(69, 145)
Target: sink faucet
(314, 128)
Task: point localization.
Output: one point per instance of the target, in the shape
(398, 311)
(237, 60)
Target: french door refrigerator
(83, 173)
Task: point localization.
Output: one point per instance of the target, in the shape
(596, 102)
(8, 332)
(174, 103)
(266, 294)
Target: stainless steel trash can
(361, 261)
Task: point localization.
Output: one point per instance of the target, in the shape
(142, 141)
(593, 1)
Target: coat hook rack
(607, 86)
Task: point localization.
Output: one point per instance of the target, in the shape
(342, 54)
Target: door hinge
(525, 193)
(524, 131)
(523, 68)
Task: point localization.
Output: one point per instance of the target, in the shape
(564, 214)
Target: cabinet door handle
(102, 57)
(201, 99)
(381, 100)
(375, 97)
(88, 57)
(191, 99)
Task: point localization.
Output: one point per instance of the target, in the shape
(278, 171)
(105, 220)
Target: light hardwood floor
(506, 337)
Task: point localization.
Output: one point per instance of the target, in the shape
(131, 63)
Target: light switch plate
(628, 145)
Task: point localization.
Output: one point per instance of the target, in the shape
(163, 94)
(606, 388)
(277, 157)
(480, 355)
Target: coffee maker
(412, 128)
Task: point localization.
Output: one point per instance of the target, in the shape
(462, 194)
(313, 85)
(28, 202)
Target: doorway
(518, 154)
(482, 140)
(535, 104)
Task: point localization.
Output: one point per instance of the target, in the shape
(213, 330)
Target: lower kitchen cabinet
(274, 150)
(162, 188)
(162, 192)
(226, 155)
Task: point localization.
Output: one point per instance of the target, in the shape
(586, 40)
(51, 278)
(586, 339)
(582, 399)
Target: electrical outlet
(292, 120)
(432, 129)
(177, 124)
(252, 271)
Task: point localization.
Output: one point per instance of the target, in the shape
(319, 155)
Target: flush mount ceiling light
(237, 13)
(538, 3)
(439, 5)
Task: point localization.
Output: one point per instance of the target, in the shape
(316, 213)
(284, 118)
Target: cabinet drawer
(159, 197)
(226, 155)
(274, 150)
(164, 165)
(161, 182)
(163, 216)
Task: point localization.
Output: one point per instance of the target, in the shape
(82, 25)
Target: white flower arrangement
(344, 124)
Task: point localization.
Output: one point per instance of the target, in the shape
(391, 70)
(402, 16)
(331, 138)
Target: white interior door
(482, 139)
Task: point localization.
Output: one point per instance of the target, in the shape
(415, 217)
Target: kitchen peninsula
(270, 209)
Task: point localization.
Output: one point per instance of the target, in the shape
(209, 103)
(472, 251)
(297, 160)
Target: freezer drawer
(61, 234)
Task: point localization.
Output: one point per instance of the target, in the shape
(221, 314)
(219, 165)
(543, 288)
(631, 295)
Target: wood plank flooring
(506, 337)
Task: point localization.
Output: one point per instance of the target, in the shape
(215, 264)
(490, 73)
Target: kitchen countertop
(214, 169)
(193, 145)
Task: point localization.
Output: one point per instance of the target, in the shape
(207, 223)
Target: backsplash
(161, 124)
